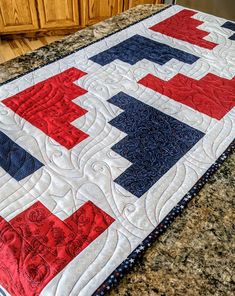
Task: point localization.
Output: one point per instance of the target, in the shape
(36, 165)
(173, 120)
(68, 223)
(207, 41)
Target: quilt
(101, 149)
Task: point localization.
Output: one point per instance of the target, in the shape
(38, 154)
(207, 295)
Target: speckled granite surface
(196, 255)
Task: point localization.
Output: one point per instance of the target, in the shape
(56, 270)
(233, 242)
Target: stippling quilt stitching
(99, 147)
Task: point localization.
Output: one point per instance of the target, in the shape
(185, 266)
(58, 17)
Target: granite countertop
(195, 256)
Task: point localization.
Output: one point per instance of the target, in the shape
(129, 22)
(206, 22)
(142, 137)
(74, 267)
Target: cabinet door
(132, 3)
(58, 13)
(17, 16)
(94, 11)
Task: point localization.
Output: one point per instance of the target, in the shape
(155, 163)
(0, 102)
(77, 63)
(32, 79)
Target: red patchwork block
(48, 106)
(211, 95)
(182, 26)
(36, 245)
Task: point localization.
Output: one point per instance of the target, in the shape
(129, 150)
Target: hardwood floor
(9, 49)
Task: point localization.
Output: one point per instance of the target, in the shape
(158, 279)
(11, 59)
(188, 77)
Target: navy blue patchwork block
(232, 37)
(154, 143)
(137, 47)
(15, 160)
(231, 26)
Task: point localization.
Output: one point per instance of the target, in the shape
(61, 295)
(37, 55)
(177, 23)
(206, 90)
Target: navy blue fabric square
(154, 143)
(137, 48)
(231, 26)
(15, 160)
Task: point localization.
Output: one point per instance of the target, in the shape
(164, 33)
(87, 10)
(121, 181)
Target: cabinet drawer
(94, 11)
(17, 16)
(58, 14)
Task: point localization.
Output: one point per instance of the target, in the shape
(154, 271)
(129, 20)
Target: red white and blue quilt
(101, 149)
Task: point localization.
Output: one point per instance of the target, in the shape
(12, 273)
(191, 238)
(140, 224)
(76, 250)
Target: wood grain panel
(17, 15)
(58, 13)
(10, 49)
(94, 11)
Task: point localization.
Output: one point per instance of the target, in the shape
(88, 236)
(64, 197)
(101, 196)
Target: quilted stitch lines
(147, 146)
(154, 142)
(137, 48)
(182, 26)
(36, 245)
(230, 26)
(15, 160)
(48, 106)
(211, 95)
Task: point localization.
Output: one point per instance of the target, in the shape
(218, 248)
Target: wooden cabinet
(58, 13)
(94, 11)
(18, 16)
(22, 16)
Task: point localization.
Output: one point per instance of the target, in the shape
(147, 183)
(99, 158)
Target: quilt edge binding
(127, 265)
